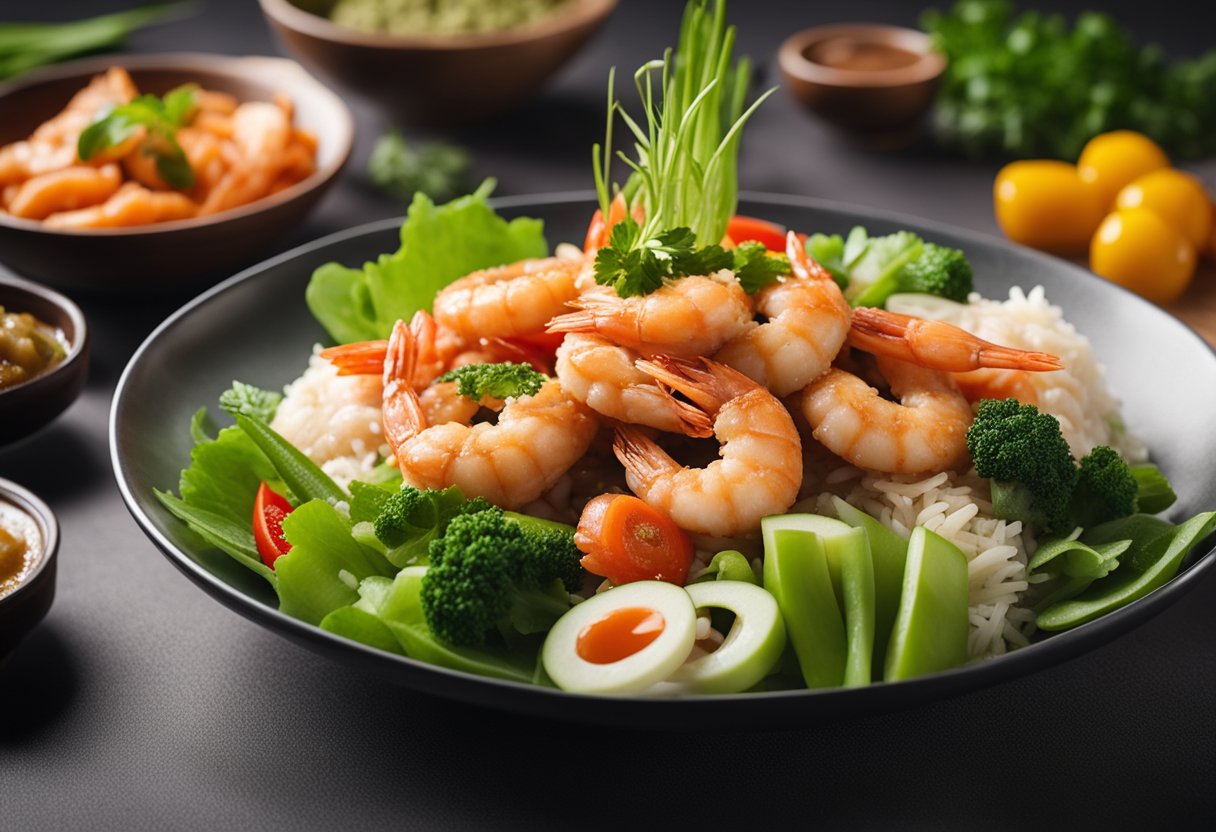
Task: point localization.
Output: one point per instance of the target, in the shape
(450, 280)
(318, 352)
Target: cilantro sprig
(499, 381)
(633, 266)
(161, 117)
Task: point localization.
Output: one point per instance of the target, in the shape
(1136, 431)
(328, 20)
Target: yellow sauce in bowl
(20, 547)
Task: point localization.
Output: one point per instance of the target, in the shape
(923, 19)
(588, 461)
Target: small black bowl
(28, 406)
(27, 604)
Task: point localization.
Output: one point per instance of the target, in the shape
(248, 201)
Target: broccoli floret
(500, 381)
(1105, 489)
(941, 271)
(411, 518)
(934, 270)
(1024, 454)
(497, 569)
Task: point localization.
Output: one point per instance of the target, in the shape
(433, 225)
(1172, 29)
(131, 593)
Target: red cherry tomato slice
(269, 509)
(743, 229)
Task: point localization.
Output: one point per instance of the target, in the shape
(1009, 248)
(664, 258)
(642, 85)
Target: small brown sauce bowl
(872, 80)
(170, 256)
(28, 597)
(438, 79)
(26, 407)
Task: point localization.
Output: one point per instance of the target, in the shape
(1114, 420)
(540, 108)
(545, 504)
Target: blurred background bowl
(867, 79)
(23, 607)
(165, 256)
(438, 79)
(26, 407)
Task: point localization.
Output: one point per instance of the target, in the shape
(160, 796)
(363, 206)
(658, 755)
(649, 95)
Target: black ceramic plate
(255, 327)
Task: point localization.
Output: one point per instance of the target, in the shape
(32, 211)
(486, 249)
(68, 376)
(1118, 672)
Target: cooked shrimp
(761, 465)
(686, 317)
(65, 190)
(808, 320)
(507, 301)
(511, 463)
(260, 133)
(132, 204)
(937, 344)
(925, 431)
(432, 350)
(602, 376)
(114, 87)
(991, 383)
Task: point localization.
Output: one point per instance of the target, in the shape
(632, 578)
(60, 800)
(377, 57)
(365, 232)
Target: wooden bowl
(438, 79)
(23, 607)
(866, 79)
(168, 255)
(26, 407)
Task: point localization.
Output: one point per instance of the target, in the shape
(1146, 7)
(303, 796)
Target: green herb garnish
(498, 381)
(1028, 85)
(400, 170)
(160, 117)
(251, 401)
(684, 172)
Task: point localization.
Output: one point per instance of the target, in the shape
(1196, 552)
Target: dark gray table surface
(141, 703)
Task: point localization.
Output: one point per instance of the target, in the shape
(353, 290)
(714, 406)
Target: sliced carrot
(626, 540)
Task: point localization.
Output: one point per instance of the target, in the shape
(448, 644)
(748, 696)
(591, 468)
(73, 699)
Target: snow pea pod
(796, 574)
(930, 632)
(888, 551)
(1149, 567)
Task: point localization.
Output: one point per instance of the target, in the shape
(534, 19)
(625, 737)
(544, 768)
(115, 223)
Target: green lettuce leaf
(439, 243)
(322, 571)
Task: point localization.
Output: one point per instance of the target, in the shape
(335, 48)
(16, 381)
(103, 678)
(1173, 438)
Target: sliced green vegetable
(234, 539)
(303, 476)
(1077, 559)
(752, 647)
(438, 245)
(931, 627)
(888, 552)
(728, 565)
(1146, 569)
(796, 574)
(1153, 492)
(24, 46)
(363, 627)
(857, 585)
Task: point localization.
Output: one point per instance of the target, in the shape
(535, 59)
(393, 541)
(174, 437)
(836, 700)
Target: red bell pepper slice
(269, 509)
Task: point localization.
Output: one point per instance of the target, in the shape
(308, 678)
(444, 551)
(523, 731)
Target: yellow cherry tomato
(1112, 160)
(1044, 204)
(1177, 197)
(1137, 249)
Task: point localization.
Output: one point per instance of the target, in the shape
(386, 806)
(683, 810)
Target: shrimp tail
(581, 321)
(363, 358)
(708, 383)
(640, 454)
(938, 345)
(801, 263)
(402, 412)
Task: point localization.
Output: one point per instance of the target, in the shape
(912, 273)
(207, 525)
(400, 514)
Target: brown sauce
(855, 54)
(20, 543)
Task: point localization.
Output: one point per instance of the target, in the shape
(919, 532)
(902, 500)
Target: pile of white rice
(957, 506)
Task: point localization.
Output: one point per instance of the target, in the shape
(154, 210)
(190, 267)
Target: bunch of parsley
(1029, 85)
